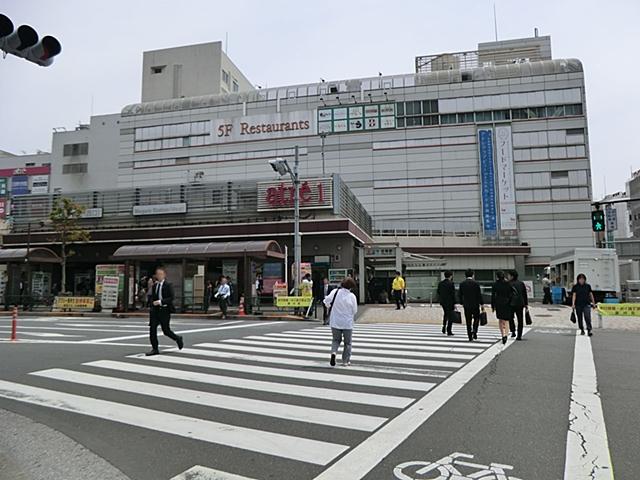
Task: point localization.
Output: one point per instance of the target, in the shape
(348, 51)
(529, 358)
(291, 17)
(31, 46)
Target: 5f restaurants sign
(263, 127)
(314, 193)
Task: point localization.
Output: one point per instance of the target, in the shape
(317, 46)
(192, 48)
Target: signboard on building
(230, 269)
(109, 295)
(20, 185)
(73, 303)
(92, 213)
(40, 184)
(506, 184)
(293, 302)
(280, 289)
(3, 208)
(337, 275)
(3, 187)
(487, 180)
(160, 209)
(314, 193)
(263, 127)
(356, 118)
(109, 270)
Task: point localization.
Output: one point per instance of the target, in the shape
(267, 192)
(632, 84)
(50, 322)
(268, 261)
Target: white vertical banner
(506, 183)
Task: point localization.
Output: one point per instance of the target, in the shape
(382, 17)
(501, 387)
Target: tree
(65, 215)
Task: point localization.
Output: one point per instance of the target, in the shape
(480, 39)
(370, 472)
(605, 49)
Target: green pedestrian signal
(597, 221)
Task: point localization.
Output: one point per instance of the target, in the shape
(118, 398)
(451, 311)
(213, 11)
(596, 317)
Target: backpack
(516, 300)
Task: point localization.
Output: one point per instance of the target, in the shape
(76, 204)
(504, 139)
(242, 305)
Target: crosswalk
(272, 394)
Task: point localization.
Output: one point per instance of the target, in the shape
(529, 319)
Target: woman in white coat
(343, 306)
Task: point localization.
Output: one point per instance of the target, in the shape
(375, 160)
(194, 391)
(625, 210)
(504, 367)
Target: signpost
(110, 287)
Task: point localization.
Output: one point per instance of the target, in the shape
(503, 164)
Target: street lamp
(282, 168)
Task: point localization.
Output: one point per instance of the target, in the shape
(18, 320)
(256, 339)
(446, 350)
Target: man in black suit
(322, 293)
(471, 300)
(447, 299)
(519, 303)
(160, 313)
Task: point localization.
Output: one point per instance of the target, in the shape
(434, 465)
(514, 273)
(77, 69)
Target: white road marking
(371, 344)
(195, 330)
(284, 411)
(289, 373)
(203, 473)
(587, 454)
(304, 353)
(358, 347)
(308, 363)
(243, 383)
(73, 329)
(284, 446)
(413, 337)
(364, 457)
(381, 339)
(49, 334)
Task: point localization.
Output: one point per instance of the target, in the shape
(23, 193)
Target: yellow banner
(293, 302)
(72, 303)
(619, 309)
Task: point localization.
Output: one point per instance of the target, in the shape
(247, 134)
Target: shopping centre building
(476, 159)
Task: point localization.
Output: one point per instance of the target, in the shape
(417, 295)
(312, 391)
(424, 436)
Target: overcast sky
(280, 42)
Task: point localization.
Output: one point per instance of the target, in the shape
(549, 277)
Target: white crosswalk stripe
(283, 375)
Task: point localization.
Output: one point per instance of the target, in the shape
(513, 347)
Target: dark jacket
(167, 297)
(470, 294)
(320, 291)
(447, 293)
(522, 290)
(501, 293)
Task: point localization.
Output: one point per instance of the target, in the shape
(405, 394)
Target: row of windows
(553, 194)
(226, 79)
(173, 130)
(417, 114)
(73, 149)
(193, 141)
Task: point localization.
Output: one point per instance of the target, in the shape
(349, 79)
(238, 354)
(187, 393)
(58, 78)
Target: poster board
(109, 294)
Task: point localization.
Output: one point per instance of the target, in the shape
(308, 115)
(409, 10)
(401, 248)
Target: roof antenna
(226, 42)
(495, 21)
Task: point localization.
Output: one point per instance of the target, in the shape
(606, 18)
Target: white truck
(600, 265)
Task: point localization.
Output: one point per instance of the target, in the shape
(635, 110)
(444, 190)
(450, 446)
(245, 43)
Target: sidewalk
(551, 316)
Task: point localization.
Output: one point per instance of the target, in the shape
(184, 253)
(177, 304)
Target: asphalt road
(257, 400)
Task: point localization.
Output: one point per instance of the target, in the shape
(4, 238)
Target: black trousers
(325, 313)
(162, 318)
(584, 312)
(472, 314)
(223, 305)
(546, 299)
(397, 295)
(519, 315)
(447, 317)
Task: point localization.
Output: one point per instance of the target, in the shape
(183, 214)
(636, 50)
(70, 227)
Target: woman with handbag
(501, 294)
(581, 301)
(343, 306)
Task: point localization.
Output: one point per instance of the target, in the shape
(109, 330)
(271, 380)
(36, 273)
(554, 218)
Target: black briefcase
(573, 316)
(483, 318)
(527, 317)
(456, 317)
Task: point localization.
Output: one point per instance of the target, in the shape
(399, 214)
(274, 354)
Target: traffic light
(597, 220)
(23, 42)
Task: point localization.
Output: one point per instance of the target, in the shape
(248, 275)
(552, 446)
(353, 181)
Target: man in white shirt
(343, 308)
(223, 293)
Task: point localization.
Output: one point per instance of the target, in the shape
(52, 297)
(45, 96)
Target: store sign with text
(263, 127)
(160, 209)
(314, 193)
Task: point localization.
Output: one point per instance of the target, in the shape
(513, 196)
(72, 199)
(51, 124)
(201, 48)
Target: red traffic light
(23, 42)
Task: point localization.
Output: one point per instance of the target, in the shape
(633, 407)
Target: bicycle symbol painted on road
(452, 467)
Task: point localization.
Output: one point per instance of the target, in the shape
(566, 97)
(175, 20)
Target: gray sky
(280, 42)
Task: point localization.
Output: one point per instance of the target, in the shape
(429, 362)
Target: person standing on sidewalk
(223, 293)
(397, 289)
(323, 292)
(501, 293)
(160, 313)
(471, 300)
(519, 303)
(546, 289)
(343, 307)
(581, 301)
(447, 298)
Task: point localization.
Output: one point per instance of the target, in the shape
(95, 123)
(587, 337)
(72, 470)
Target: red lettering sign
(283, 196)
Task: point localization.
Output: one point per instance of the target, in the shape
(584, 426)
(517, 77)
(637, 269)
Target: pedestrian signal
(597, 220)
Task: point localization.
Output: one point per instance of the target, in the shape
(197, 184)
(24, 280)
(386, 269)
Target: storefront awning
(259, 249)
(34, 255)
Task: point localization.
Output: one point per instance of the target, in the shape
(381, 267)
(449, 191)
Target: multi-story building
(480, 158)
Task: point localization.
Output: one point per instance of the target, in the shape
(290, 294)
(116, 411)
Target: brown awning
(260, 249)
(35, 255)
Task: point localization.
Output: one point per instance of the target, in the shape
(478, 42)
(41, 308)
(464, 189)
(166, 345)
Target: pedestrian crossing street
(272, 394)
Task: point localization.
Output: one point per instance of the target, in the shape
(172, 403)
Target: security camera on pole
(281, 167)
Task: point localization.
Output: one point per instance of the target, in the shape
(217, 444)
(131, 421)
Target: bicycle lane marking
(356, 464)
(587, 454)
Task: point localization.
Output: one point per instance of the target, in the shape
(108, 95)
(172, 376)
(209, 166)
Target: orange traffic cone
(241, 312)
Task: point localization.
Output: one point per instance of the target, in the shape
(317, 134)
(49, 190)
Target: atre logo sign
(314, 193)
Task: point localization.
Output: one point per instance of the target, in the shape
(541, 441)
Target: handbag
(483, 318)
(573, 316)
(456, 317)
(527, 317)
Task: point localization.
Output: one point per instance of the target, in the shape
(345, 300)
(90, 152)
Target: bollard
(14, 324)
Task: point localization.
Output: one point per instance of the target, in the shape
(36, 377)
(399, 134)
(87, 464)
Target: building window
(410, 114)
(157, 69)
(575, 131)
(430, 120)
(537, 112)
(172, 136)
(73, 149)
(75, 168)
(519, 114)
(236, 87)
(448, 118)
(225, 77)
(465, 117)
(555, 111)
(484, 117)
(501, 115)
(573, 109)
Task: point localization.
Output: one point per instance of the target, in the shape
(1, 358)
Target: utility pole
(297, 244)
(323, 136)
